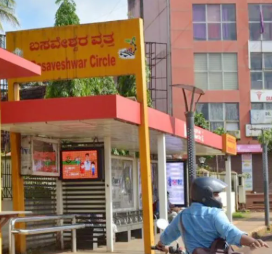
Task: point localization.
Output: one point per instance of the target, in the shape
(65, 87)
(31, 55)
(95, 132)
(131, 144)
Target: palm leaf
(7, 13)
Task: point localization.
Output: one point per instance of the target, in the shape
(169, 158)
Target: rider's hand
(161, 247)
(258, 244)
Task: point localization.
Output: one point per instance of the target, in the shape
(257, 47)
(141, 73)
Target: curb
(255, 233)
(258, 232)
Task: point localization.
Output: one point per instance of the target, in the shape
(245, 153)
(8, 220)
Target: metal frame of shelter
(114, 120)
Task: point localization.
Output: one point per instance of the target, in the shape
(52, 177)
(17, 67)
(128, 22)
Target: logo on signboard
(259, 95)
(129, 53)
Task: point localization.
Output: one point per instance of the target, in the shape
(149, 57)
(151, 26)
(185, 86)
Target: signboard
(229, 144)
(261, 95)
(247, 171)
(255, 130)
(79, 164)
(81, 51)
(261, 116)
(254, 148)
(176, 183)
(199, 133)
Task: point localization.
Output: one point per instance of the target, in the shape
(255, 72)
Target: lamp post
(189, 94)
(202, 161)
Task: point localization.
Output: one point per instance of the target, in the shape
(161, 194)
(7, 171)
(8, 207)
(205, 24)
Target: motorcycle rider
(205, 221)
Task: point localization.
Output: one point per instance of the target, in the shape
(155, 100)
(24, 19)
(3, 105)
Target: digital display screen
(80, 164)
(176, 182)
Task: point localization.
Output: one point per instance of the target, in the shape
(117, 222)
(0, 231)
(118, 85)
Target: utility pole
(142, 9)
(264, 143)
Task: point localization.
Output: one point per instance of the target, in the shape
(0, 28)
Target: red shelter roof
(13, 66)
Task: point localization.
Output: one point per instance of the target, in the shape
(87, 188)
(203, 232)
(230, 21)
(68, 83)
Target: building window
(224, 115)
(216, 71)
(254, 11)
(261, 70)
(260, 105)
(214, 22)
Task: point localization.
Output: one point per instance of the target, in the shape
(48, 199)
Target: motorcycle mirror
(162, 224)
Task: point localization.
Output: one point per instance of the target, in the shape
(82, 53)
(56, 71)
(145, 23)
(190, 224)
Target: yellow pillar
(18, 196)
(144, 142)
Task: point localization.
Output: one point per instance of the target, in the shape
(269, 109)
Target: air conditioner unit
(236, 134)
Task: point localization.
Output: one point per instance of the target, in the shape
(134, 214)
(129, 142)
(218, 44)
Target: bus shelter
(115, 124)
(85, 51)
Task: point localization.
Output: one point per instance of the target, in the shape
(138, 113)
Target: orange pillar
(144, 144)
(18, 196)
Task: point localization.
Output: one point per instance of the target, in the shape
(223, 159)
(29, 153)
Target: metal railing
(73, 227)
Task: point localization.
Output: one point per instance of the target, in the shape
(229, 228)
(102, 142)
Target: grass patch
(240, 215)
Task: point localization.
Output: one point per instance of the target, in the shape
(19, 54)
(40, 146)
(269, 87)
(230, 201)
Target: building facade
(225, 48)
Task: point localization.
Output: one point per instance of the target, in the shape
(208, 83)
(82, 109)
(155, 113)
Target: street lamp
(202, 161)
(190, 123)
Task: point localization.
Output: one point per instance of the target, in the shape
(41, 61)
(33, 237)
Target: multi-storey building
(225, 48)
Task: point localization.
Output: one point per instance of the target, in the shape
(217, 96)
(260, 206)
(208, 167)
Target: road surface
(260, 251)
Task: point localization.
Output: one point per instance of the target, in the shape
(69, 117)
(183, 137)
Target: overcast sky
(41, 13)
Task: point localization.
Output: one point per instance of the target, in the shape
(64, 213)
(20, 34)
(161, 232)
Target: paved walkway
(253, 224)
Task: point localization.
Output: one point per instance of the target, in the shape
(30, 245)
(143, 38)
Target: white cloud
(102, 10)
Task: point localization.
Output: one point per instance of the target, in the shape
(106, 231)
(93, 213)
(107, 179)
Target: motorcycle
(162, 224)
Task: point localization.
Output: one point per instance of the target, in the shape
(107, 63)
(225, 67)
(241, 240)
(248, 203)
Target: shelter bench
(43, 230)
(129, 224)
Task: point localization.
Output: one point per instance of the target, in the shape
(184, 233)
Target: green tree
(126, 86)
(7, 10)
(219, 131)
(81, 87)
(266, 138)
(66, 13)
(200, 121)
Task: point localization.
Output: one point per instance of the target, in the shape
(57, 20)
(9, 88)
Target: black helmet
(203, 188)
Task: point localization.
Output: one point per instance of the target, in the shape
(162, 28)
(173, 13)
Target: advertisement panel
(247, 171)
(261, 116)
(79, 164)
(155, 182)
(81, 51)
(122, 184)
(176, 183)
(39, 156)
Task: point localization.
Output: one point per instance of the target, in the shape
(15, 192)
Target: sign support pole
(144, 144)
